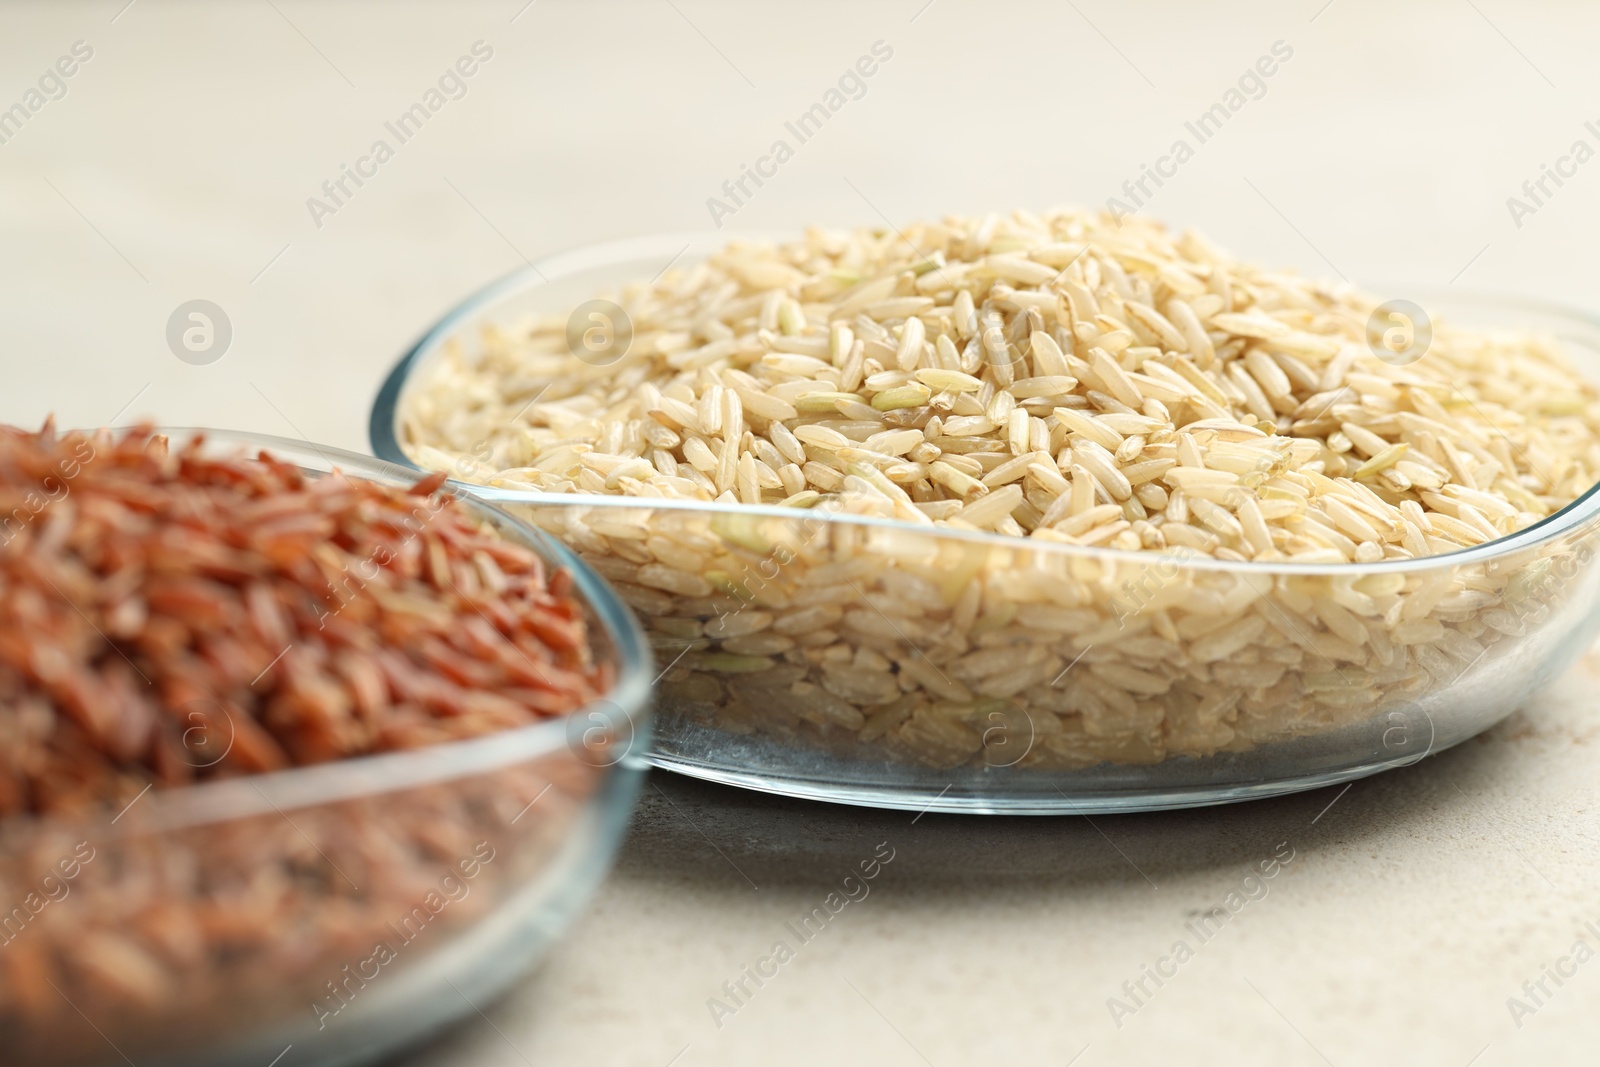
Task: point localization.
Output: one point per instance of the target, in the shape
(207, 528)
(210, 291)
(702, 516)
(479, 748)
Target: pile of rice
(1065, 379)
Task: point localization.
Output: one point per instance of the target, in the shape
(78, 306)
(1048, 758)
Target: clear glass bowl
(344, 909)
(877, 662)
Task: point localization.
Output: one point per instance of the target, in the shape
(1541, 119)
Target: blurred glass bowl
(873, 661)
(325, 914)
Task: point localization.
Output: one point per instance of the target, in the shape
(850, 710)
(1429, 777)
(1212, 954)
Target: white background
(178, 166)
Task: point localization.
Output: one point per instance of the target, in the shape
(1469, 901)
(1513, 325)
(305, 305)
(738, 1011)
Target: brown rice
(1064, 379)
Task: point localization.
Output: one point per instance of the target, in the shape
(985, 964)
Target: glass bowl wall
(879, 662)
(325, 914)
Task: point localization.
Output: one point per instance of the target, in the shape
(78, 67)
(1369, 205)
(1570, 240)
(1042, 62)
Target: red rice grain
(171, 616)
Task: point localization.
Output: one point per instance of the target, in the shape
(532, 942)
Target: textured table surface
(177, 161)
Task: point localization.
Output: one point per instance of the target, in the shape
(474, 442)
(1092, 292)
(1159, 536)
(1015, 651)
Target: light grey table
(177, 162)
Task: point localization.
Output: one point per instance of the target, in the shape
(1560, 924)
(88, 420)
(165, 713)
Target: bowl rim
(383, 428)
(377, 774)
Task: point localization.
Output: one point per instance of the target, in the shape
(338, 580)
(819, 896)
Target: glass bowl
(873, 661)
(325, 914)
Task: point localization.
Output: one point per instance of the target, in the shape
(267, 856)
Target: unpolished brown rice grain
(1068, 378)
